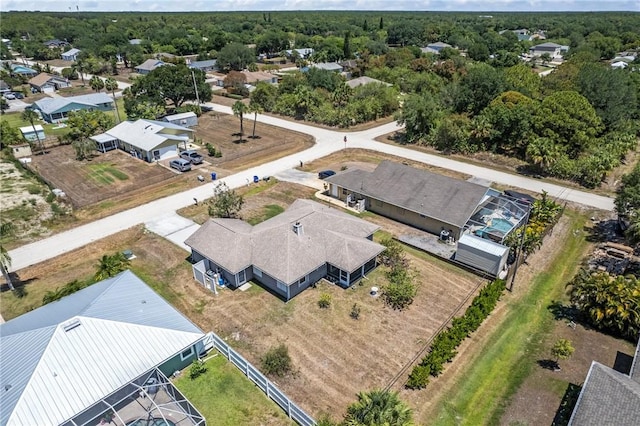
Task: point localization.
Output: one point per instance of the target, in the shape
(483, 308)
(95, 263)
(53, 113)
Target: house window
(302, 281)
(156, 154)
(187, 353)
(257, 272)
(282, 286)
(344, 191)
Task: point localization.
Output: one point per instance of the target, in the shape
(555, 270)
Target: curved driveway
(327, 142)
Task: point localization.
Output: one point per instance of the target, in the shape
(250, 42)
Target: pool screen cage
(497, 216)
(149, 400)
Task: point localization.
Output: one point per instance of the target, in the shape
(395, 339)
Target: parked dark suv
(192, 156)
(326, 173)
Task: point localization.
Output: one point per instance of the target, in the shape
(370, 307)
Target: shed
(21, 151)
(70, 55)
(105, 142)
(482, 254)
(30, 134)
(186, 119)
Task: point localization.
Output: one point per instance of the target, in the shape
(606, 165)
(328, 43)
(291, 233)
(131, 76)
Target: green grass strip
(495, 375)
(225, 397)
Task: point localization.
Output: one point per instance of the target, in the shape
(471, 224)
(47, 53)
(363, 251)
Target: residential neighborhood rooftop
(453, 202)
(327, 236)
(50, 105)
(67, 355)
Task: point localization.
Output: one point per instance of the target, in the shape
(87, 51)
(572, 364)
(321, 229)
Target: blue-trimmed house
(54, 110)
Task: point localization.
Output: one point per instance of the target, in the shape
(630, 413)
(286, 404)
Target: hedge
(444, 345)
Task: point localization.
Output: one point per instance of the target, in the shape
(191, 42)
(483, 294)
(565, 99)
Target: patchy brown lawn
(271, 142)
(334, 356)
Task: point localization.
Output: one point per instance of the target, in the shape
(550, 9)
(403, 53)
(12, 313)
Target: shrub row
(444, 345)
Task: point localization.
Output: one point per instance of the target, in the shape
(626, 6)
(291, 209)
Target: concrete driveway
(16, 105)
(300, 177)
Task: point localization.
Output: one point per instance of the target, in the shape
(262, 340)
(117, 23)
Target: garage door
(165, 153)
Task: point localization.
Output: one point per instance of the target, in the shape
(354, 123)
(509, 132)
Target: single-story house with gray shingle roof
(329, 66)
(54, 110)
(609, 397)
(149, 65)
(361, 81)
(553, 49)
(420, 198)
(208, 65)
(287, 253)
(70, 55)
(149, 140)
(301, 53)
(435, 48)
(47, 83)
(96, 355)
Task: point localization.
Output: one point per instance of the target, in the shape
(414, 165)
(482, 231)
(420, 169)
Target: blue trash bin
(256, 179)
(213, 176)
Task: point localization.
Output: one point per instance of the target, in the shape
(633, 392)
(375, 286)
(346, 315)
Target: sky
(274, 5)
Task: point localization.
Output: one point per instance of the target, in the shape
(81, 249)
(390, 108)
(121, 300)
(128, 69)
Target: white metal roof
(63, 357)
(181, 116)
(103, 137)
(146, 134)
(29, 129)
(483, 244)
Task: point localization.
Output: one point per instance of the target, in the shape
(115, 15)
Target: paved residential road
(327, 142)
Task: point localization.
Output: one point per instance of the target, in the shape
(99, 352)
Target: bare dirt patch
(221, 130)
(368, 160)
(104, 176)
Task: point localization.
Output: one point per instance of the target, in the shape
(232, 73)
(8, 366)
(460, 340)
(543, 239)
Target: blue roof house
(100, 355)
(54, 110)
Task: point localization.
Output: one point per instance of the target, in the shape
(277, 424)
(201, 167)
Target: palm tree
(31, 116)
(111, 85)
(110, 266)
(255, 109)
(96, 83)
(378, 408)
(80, 66)
(5, 259)
(239, 109)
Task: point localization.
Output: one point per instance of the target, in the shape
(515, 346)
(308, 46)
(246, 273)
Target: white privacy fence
(294, 412)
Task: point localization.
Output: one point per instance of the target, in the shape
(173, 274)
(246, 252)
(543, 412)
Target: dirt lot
(105, 176)
(334, 355)
(271, 142)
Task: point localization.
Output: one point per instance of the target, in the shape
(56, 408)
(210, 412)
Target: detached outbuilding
(32, 133)
(482, 254)
(186, 119)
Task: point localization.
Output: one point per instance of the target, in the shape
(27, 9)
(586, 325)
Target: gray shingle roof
(607, 398)
(449, 200)
(33, 344)
(329, 235)
(51, 105)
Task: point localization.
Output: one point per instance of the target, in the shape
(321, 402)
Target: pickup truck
(192, 155)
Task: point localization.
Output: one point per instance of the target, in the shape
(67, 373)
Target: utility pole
(195, 87)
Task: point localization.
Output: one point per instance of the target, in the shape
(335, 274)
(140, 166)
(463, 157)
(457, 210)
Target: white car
(9, 96)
